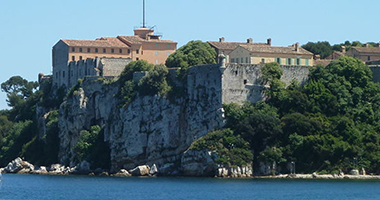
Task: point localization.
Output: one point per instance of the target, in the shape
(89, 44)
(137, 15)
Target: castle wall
(112, 66)
(242, 83)
(100, 67)
(376, 73)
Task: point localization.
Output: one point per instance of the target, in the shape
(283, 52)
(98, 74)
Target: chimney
(221, 39)
(317, 57)
(269, 41)
(249, 41)
(366, 45)
(343, 49)
(297, 47)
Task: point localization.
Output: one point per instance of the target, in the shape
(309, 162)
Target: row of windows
(137, 51)
(81, 58)
(96, 50)
(289, 61)
(240, 60)
(292, 61)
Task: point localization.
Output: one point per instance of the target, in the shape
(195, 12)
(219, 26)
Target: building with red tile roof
(143, 45)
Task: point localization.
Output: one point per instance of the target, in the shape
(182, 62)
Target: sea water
(85, 187)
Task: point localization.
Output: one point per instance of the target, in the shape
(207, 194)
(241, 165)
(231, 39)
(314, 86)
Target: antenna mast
(144, 14)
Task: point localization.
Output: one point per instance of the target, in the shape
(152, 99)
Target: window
(245, 81)
(156, 45)
(142, 52)
(120, 50)
(137, 51)
(129, 51)
(241, 60)
(137, 58)
(156, 62)
(63, 74)
(88, 50)
(56, 74)
(112, 50)
(289, 61)
(278, 60)
(80, 57)
(80, 49)
(263, 60)
(96, 50)
(104, 50)
(156, 53)
(307, 62)
(72, 58)
(73, 49)
(298, 61)
(246, 60)
(232, 60)
(369, 57)
(168, 45)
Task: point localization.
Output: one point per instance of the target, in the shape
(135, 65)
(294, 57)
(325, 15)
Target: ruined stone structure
(99, 67)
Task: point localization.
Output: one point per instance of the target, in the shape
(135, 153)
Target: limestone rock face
(198, 163)
(14, 166)
(150, 130)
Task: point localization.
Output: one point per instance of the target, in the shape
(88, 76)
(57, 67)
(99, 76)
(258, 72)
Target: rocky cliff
(152, 129)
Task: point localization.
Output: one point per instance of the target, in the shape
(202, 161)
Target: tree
(18, 90)
(191, 54)
(155, 82)
(134, 66)
(323, 49)
(271, 72)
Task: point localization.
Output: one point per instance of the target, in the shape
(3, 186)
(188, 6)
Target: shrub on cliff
(134, 66)
(92, 148)
(231, 149)
(155, 82)
(191, 54)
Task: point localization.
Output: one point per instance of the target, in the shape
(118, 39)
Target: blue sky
(29, 29)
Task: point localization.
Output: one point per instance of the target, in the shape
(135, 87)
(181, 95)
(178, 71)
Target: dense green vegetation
(18, 126)
(155, 81)
(325, 49)
(323, 125)
(191, 54)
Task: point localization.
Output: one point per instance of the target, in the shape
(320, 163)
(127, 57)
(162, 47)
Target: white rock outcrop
(142, 170)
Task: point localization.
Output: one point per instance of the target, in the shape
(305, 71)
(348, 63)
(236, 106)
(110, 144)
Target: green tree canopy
(323, 49)
(191, 54)
(18, 90)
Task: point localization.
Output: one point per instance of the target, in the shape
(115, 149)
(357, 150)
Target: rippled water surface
(84, 187)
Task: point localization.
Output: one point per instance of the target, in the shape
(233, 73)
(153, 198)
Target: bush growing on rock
(231, 149)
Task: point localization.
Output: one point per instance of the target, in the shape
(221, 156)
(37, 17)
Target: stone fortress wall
(99, 67)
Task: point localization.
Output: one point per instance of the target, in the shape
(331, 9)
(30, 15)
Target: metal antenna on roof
(144, 14)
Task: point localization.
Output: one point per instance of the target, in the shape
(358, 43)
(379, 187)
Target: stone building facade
(143, 45)
(365, 53)
(223, 47)
(259, 54)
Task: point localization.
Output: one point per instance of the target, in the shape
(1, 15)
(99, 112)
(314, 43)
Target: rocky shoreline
(322, 177)
(19, 166)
